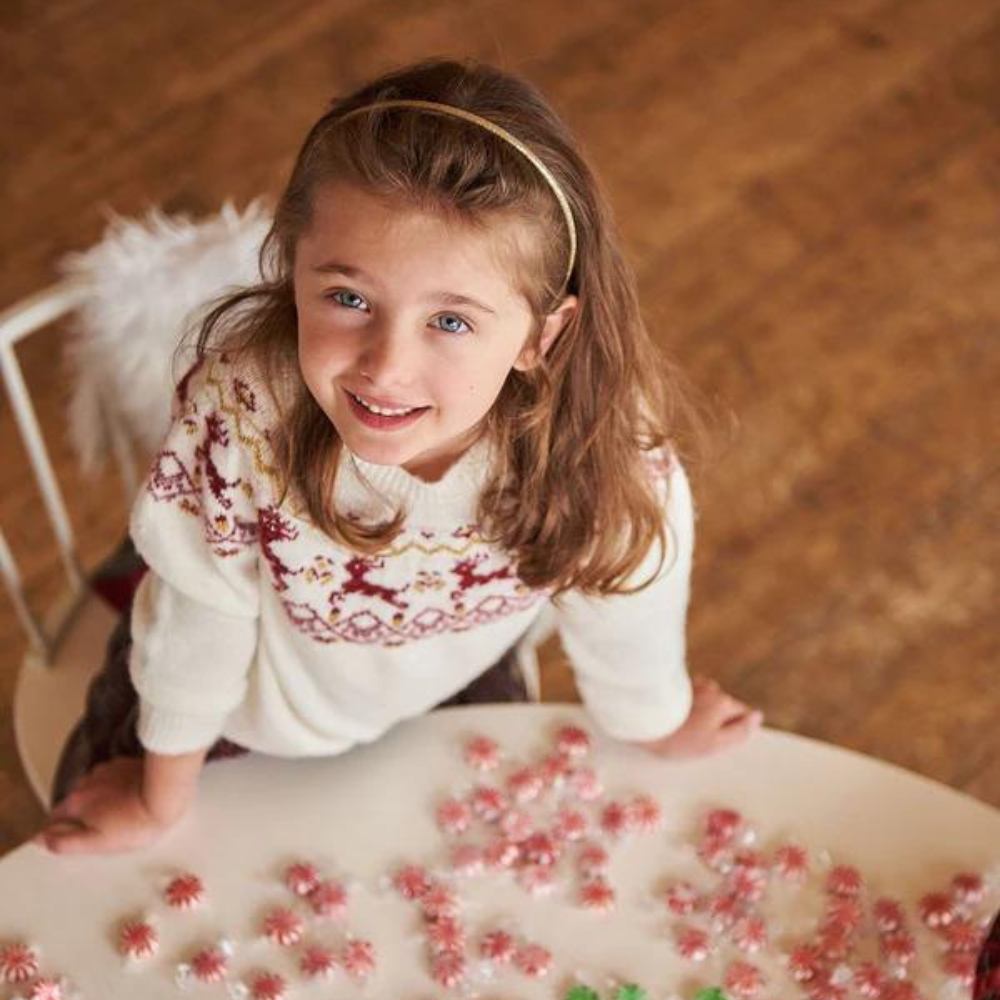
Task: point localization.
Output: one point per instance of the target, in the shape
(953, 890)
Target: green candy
(710, 993)
(581, 993)
(630, 992)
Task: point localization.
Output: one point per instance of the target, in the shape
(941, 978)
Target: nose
(388, 357)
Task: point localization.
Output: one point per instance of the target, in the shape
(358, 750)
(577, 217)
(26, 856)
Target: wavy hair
(572, 495)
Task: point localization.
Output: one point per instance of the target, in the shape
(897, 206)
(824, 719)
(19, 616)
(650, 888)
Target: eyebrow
(448, 298)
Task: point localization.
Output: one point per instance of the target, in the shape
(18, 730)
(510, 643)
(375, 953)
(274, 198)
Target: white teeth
(381, 410)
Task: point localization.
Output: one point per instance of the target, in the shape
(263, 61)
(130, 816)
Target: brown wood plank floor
(809, 193)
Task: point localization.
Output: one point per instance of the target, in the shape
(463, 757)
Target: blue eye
(448, 319)
(348, 299)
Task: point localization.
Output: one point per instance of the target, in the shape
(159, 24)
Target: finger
(704, 684)
(736, 731)
(79, 840)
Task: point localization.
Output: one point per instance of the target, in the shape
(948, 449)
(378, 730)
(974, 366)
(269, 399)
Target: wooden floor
(810, 193)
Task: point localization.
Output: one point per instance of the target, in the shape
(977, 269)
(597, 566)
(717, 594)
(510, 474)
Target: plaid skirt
(108, 726)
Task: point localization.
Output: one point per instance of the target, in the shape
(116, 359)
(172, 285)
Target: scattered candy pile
(548, 826)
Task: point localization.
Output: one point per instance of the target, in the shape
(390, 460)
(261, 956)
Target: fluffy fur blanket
(149, 281)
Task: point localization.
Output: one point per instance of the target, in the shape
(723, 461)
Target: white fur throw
(148, 281)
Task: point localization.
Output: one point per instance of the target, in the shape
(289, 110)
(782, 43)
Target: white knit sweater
(254, 625)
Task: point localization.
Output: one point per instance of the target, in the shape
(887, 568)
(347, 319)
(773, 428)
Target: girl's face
(408, 325)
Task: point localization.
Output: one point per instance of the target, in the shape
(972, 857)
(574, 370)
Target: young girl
(437, 416)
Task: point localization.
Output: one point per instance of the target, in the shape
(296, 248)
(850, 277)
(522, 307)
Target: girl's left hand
(716, 722)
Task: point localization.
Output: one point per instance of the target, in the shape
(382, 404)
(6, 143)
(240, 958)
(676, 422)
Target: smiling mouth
(383, 411)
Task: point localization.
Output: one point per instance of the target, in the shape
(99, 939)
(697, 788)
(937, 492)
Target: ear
(554, 324)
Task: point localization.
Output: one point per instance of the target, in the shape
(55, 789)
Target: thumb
(70, 839)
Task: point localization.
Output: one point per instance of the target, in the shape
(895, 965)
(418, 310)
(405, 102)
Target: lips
(379, 416)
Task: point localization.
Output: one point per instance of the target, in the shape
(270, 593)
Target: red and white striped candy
(692, 943)
(960, 967)
(791, 862)
(844, 880)
(488, 803)
(744, 981)
(318, 962)
(645, 814)
(716, 853)
(748, 884)
(963, 935)
(185, 892)
(210, 965)
(533, 960)
(411, 881)
(898, 947)
(301, 877)
(283, 926)
(555, 769)
(615, 820)
(722, 824)
(446, 934)
(889, 915)
(328, 898)
(900, 989)
(936, 910)
(439, 901)
(453, 816)
(586, 784)
(517, 825)
(540, 849)
(358, 958)
(501, 853)
(682, 898)
(268, 986)
(845, 913)
(805, 963)
(749, 934)
(868, 980)
(539, 880)
(498, 946)
(138, 939)
(597, 895)
(18, 963)
(448, 968)
(525, 785)
(724, 909)
(46, 988)
(573, 741)
(467, 859)
(570, 825)
(482, 753)
(592, 859)
(827, 989)
(968, 888)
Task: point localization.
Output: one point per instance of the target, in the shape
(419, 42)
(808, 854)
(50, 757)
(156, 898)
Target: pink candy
(597, 895)
(448, 968)
(454, 816)
(525, 785)
(18, 963)
(936, 910)
(488, 803)
(586, 784)
(482, 753)
(328, 899)
(791, 862)
(844, 880)
(569, 825)
(446, 934)
(573, 741)
(722, 824)
(593, 859)
(138, 939)
(358, 958)
(185, 892)
(46, 989)
(210, 965)
(645, 814)
(693, 944)
(967, 887)
(498, 946)
(750, 934)
(467, 859)
(682, 898)
(744, 980)
(540, 849)
(283, 926)
(615, 819)
(439, 901)
(533, 960)
(268, 986)
(301, 878)
(411, 881)
(318, 962)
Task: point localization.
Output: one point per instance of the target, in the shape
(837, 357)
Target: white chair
(130, 296)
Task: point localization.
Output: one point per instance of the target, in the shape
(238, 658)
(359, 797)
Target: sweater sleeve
(628, 651)
(194, 622)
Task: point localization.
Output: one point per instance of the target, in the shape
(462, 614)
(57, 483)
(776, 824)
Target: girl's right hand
(105, 813)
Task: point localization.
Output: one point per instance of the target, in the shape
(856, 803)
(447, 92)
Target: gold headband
(502, 133)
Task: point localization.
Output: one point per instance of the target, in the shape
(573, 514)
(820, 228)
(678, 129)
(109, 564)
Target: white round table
(367, 812)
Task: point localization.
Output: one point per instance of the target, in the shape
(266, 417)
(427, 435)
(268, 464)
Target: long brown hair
(571, 494)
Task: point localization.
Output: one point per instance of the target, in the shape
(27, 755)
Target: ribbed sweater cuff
(166, 732)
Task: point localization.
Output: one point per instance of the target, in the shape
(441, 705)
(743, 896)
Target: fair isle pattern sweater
(254, 625)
